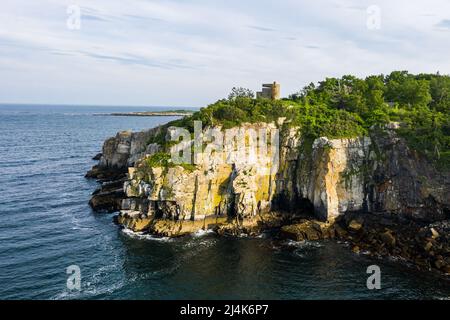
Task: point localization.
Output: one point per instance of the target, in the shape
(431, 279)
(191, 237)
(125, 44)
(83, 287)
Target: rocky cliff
(350, 186)
(118, 154)
(377, 174)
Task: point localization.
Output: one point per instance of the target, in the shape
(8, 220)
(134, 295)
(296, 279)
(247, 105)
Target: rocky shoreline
(374, 193)
(426, 246)
(108, 197)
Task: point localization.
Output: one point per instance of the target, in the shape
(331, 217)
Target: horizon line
(92, 105)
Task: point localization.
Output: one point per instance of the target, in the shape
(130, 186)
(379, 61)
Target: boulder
(355, 225)
(356, 249)
(307, 230)
(434, 233)
(439, 263)
(428, 246)
(388, 238)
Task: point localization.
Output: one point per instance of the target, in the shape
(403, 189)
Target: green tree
(440, 93)
(239, 92)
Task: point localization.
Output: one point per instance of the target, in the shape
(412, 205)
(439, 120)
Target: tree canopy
(348, 107)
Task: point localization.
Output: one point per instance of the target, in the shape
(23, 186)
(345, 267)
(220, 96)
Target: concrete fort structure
(269, 91)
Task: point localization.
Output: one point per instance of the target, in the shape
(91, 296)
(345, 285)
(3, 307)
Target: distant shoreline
(172, 113)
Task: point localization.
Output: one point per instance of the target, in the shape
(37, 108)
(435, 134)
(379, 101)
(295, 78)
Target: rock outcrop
(118, 154)
(123, 150)
(425, 245)
(215, 188)
(375, 180)
(369, 174)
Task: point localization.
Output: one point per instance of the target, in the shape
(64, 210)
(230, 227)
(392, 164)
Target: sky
(192, 52)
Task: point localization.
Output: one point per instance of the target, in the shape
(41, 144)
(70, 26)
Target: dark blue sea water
(46, 225)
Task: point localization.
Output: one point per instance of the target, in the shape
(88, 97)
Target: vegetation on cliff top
(420, 103)
(348, 107)
(162, 159)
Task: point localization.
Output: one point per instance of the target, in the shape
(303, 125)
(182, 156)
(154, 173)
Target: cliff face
(218, 187)
(378, 173)
(372, 191)
(326, 176)
(368, 174)
(118, 154)
(123, 150)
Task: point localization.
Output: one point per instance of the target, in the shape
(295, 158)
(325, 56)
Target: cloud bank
(190, 53)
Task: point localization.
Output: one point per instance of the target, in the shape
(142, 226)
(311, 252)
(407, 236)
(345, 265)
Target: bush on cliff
(348, 107)
(162, 160)
(421, 103)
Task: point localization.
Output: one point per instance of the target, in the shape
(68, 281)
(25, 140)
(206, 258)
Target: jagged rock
(105, 174)
(109, 201)
(109, 196)
(244, 189)
(118, 153)
(434, 233)
(134, 221)
(446, 269)
(356, 249)
(388, 238)
(340, 232)
(126, 148)
(440, 263)
(306, 230)
(355, 225)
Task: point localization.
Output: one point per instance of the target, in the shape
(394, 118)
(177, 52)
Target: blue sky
(191, 53)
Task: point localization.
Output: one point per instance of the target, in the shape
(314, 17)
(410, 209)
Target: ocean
(46, 225)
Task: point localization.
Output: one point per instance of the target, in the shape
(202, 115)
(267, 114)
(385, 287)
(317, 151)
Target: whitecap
(202, 232)
(90, 290)
(263, 235)
(303, 244)
(144, 236)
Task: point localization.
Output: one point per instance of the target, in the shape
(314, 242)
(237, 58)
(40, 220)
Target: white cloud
(193, 52)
